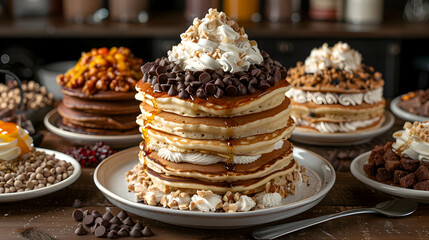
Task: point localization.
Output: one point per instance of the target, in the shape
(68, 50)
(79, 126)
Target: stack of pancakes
(336, 98)
(249, 126)
(103, 113)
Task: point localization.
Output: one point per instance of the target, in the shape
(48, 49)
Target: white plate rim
(357, 172)
(321, 193)
(389, 120)
(18, 196)
(85, 137)
(404, 114)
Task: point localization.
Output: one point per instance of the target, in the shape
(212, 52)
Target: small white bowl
(48, 74)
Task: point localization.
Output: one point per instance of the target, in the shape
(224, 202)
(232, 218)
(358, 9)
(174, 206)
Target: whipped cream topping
(215, 42)
(345, 99)
(14, 141)
(207, 159)
(208, 203)
(329, 127)
(245, 203)
(269, 199)
(340, 56)
(411, 143)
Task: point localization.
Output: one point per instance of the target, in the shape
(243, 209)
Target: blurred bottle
(326, 10)
(242, 10)
(417, 11)
(199, 8)
(128, 10)
(80, 11)
(364, 11)
(283, 10)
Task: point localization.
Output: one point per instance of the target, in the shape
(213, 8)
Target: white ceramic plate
(109, 177)
(120, 141)
(404, 115)
(18, 196)
(356, 168)
(342, 139)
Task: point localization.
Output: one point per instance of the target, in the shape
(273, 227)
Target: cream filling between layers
(345, 99)
(330, 127)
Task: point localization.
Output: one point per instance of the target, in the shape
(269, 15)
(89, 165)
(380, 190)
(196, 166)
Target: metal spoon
(392, 208)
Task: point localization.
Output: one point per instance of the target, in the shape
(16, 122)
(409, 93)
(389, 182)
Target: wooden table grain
(49, 217)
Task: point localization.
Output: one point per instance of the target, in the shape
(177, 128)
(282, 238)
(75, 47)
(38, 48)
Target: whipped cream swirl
(269, 199)
(330, 127)
(340, 56)
(215, 42)
(207, 159)
(14, 141)
(345, 99)
(207, 203)
(410, 144)
(245, 203)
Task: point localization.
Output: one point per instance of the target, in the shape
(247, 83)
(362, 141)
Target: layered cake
(405, 162)
(333, 92)
(215, 123)
(99, 93)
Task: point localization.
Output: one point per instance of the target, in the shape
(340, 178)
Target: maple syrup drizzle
(146, 122)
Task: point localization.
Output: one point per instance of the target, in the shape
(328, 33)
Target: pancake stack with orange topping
(215, 120)
(99, 93)
(333, 92)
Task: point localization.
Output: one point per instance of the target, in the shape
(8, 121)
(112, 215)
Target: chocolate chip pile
(385, 165)
(363, 79)
(108, 225)
(33, 171)
(169, 77)
(416, 102)
(35, 96)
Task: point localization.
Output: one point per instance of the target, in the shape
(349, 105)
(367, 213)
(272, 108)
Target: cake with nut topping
(215, 123)
(333, 92)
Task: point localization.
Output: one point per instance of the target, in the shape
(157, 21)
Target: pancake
(100, 95)
(101, 106)
(214, 107)
(252, 145)
(216, 128)
(378, 121)
(119, 122)
(167, 183)
(63, 124)
(336, 112)
(220, 172)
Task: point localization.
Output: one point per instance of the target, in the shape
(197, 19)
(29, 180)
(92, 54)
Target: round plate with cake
(109, 177)
(405, 115)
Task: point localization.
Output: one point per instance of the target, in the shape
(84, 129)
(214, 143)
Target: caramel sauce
(9, 132)
(145, 130)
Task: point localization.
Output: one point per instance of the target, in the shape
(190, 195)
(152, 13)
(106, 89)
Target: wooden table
(51, 214)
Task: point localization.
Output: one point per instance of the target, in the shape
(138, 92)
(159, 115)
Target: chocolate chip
(244, 79)
(145, 76)
(214, 75)
(270, 80)
(165, 87)
(157, 88)
(80, 230)
(116, 220)
(100, 231)
(183, 94)
(190, 90)
(201, 93)
(146, 67)
(162, 78)
(283, 74)
(242, 90)
(264, 54)
(263, 85)
(112, 235)
(107, 216)
(135, 233)
(77, 203)
(256, 72)
(95, 214)
(277, 76)
(189, 78)
(251, 89)
(152, 70)
(138, 226)
(220, 72)
(123, 233)
(172, 81)
(219, 93)
(210, 89)
(172, 91)
(86, 212)
(114, 226)
(128, 221)
(147, 232)
(162, 62)
(102, 222)
(88, 220)
(197, 74)
(231, 91)
(227, 81)
(170, 75)
(177, 69)
(219, 83)
(126, 227)
(77, 215)
(195, 84)
(180, 79)
(235, 81)
(180, 85)
(94, 227)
